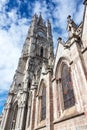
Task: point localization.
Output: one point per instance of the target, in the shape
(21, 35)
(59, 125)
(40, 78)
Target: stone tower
(37, 51)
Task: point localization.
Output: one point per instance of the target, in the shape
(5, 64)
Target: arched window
(43, 104)
(67, 87)
(41, 52)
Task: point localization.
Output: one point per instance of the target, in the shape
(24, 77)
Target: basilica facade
(49, 92)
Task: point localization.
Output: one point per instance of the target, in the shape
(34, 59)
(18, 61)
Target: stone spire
(33, 25)
(40, 20)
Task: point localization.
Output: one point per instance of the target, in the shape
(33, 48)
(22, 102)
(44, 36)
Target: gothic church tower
(50, 93)
(37, 52)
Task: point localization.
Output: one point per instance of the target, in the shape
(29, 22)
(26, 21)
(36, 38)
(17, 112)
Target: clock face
(41, 34)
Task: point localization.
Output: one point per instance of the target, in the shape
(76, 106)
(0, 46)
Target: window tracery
(43, 104)
(67, 87)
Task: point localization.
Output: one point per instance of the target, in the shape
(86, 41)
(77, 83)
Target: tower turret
(37, 49)
(41, 21)
(33, 25)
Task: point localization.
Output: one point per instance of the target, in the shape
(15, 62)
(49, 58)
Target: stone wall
(76, 123)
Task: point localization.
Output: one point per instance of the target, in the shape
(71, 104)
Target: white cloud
(10, 48)
(79, 14)
(13, 16)
(2, 4)
(43, 8)
(11, 42)
(62, 10)
(12, 39)
(2, 100)
(60, 13)
(37, 7)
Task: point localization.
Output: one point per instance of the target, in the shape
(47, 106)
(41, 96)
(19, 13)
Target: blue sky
(15, 18)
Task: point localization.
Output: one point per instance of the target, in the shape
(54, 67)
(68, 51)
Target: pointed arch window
(67, 87)
(43, 104)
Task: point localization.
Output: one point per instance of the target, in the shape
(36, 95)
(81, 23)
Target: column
(20, 124)
(36, 113)
(60, 101)
(55, 102)
(29, 110)
(49, 102)
(20, 117)
(78, 98)
(28, 117)
(32, 116)
(5, 117)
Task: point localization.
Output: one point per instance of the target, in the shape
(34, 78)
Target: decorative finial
(35, 16)
(69, 19)
(40, 15)
(59, 39)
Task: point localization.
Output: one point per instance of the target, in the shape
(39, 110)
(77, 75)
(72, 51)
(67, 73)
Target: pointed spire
(40, 16)
(48, 24)
(40, 20)
(48, 21)
(32, 29)
(34, 17)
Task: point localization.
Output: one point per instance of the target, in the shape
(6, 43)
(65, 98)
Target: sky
(15, 19)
